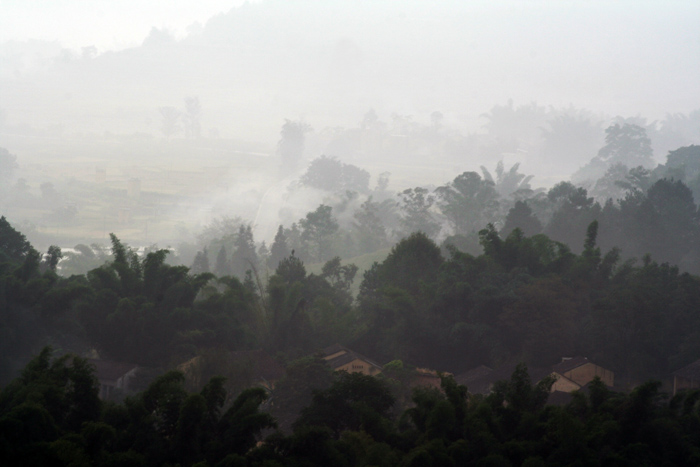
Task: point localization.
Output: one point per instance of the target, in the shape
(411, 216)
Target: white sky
(106, 24)
(615, 56)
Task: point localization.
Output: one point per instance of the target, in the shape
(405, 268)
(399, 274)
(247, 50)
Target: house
(343, 359)
(472, 378)
(427, 378)
(687, 377)
(582, 371)
(114, 377)
(571, 374)
(564, 384)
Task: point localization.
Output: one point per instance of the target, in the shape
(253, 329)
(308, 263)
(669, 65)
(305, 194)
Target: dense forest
(51, 415)
(271, 233)
(523, 276)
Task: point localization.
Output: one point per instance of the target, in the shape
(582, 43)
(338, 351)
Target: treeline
(142, 310)
(639, 210)
(526, 298)
(51, 415)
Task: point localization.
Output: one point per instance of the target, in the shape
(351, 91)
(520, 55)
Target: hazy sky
(106, 24)
(624, 57)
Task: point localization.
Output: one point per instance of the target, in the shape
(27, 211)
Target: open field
(145, 192)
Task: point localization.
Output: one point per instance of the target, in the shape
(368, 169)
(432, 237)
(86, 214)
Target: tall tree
(8, 165)
(521, 216)
(201, 262)
(290, 147)
(53, 256)
(279, 249)
(468, 202)
(244, 256)
(625, 144)
(13, 244)
(369, 227)
(170, 121)
(193, 110)
(222, 267)
(507, 182)
(415, 207)
(317, 230)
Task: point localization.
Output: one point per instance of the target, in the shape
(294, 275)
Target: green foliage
(525, 298)
(295, 391)
(520, 216)
(509, 182)
(354, 401)
(468, 202)
(416, 204)
(51, 397)
(330, 174)
(369, 227)
(290, 147)
(279, 249)
(13, 245)
(317, 228)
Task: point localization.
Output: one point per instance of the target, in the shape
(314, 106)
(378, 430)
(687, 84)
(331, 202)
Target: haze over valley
(447, 87)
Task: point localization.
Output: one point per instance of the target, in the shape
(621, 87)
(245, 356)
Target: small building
(114, 377)
(564, 384)
(427, 378)
(473, 376)
(687, 377)
(571, 374)
(581, 371)
(343, 359)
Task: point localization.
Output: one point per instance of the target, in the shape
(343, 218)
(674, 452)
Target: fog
(421, 90)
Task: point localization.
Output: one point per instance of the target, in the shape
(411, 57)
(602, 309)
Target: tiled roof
(107, 370)
(473, 375)
(335, 348)
(345, 358)
(569, 364)
(691, 371)
(341, 360)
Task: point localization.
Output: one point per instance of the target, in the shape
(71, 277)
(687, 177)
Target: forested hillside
(51, 415)
(514, 291)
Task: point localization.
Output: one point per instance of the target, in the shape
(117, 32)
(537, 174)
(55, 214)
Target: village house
(114, 377)
(571, 374)
(341, 358)
(581, 371)
(427, 378)
(687, 377)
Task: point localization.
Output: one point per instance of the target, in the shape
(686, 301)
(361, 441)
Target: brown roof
(473, 375)
(335, 348)
(345, 358)
(569, 364)
(264, 366)
(107, 370)
(691, 371)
